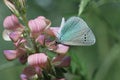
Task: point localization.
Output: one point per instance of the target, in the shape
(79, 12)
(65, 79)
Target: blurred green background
(98, 62)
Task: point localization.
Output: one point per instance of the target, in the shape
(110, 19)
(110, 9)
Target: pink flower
(52, 31)
(20, 42)
(28, 73)
(11, 23)
(38, 60)
(23, 58)
(15, 36)
(38, 25)
(58, 48)
(41, 39)
(10, 54)
(48, 22)
(13, 54)
(61, 61)
(61, 49)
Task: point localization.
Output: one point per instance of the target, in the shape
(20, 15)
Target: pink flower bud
(11, 23)
(19, 42)
(65, 62)
(11, 6)
(58, 58)
(61, 49)
(23, 58)
(28, 72)
(15, 36)
(13, 54)
(62, 61)
(41, 39)
(38, 59)
(10, 54)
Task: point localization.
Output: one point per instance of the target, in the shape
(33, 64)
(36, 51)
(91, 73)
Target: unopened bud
(11, 6)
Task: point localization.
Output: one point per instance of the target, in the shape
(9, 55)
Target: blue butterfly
(75, 32)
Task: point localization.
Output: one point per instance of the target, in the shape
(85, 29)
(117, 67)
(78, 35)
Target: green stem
(32, 42)
(35, 46)
(25, 21)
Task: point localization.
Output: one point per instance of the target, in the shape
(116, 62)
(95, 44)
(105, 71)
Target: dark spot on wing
(85, 37)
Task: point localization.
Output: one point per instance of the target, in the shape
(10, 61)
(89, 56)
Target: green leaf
(82, 6)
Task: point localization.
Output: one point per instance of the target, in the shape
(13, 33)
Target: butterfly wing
(76, 32)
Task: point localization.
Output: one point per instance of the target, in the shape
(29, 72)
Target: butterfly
(75, 32)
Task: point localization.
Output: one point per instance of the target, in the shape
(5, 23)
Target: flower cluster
(39, 46)
(32, 46)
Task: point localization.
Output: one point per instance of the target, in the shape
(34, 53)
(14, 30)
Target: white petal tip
(5, 35)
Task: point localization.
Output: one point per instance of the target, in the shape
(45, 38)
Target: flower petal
(61, 49)
(23, 77)
(14, 36)
(28, 72)
(10, 54)
(52, 31)
(11, 23)
(5, 35)
(41, 39)
(65, 62)
(62, 61)
(38, 59)
(48, 22)
(23, 58)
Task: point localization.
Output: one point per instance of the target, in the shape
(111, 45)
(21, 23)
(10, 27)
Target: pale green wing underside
(76, 32)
